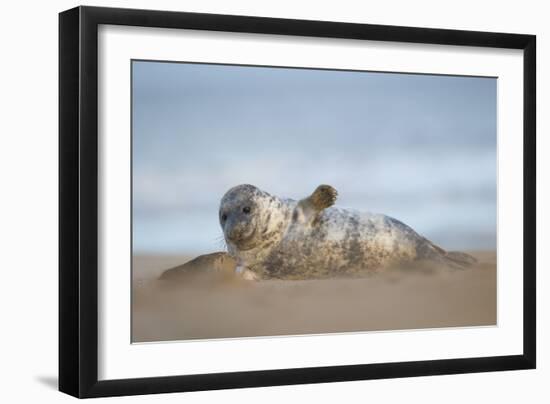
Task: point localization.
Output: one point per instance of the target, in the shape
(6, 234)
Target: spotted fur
(286, 239)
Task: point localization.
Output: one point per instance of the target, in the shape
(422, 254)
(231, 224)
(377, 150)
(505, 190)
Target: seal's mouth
(245, 243)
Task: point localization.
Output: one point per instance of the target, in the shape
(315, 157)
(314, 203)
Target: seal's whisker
(220, 241)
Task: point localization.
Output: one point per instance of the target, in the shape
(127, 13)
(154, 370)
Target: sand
(222, 306)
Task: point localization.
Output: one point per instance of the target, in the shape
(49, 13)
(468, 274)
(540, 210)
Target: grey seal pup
(275, 238)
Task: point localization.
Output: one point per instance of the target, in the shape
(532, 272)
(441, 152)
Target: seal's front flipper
(309, 208)
(246, 273)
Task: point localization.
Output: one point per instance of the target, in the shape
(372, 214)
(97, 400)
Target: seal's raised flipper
(323, 197)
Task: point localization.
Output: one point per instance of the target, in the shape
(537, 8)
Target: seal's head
(241, 216)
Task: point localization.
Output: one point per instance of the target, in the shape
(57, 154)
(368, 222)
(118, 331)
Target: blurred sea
(420, 148)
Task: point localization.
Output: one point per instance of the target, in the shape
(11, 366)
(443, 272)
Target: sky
(419, 148)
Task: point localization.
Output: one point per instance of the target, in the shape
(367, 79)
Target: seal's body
(307, 239)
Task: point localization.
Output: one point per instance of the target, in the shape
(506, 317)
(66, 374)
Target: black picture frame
(78, 201)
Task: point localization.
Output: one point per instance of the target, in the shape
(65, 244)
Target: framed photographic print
(250, 201)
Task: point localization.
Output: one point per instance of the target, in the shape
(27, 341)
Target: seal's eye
(224, 217)
(246, 209)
